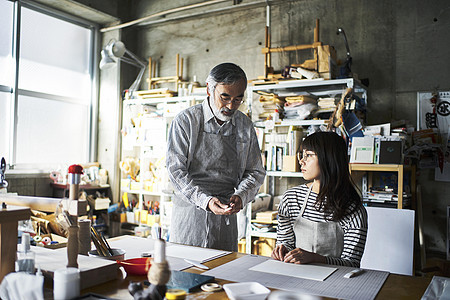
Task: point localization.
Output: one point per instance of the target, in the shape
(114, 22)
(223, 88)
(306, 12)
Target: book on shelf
(266, 216)
(260, 227)
(385, 197)
(274, 156)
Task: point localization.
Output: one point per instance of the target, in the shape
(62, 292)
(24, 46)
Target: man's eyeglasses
(227, 100)
(304, 156)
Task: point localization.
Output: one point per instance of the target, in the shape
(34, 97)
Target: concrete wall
(400, 46)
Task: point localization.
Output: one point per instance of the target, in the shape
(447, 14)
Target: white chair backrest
(390, 240)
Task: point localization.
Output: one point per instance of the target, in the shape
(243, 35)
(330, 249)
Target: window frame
(15, 92)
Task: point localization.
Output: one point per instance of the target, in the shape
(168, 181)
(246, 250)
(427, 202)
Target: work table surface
(395, 287)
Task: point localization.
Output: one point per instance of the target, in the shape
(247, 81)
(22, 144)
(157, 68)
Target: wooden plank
(8, 246)
(13, 213)
(374, 167)
(36, 203)
(9, 218)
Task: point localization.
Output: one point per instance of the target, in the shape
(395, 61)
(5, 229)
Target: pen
(196, 264)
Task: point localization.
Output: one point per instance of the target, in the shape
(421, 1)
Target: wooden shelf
(284, 174)
(270, 235)
(390, 168)
(378, 167)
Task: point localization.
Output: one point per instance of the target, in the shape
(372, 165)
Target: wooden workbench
(395, 287)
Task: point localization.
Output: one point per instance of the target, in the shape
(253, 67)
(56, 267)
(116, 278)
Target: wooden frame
(153, 80)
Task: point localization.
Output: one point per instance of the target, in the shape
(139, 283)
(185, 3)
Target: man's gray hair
(226, 73)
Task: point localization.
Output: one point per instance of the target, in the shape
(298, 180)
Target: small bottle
(276, 116)
(25, 257)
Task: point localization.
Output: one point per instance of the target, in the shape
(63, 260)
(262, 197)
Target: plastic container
(246, 291)
(119, 254)
(136, 266)
(25, 257)
(66, 283)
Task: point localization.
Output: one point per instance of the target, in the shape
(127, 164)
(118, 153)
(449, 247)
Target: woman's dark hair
(338, 195)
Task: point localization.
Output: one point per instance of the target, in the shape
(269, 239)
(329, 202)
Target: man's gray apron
(324, 238)
(214, 168)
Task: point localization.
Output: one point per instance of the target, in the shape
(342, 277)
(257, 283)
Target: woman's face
(309, 164)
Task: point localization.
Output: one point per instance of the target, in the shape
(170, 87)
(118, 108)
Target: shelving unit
(146, 124)
(399, 169)
(315, 87)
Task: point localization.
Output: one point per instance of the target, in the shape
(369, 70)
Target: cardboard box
(134, 185)
(328, 68)
(290, 163)
(263, 246)
(102, 203)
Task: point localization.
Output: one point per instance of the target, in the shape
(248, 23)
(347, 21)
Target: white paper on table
(312, 272)
(196, 254)
(135, 246)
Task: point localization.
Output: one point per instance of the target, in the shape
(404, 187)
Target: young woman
(324, 220)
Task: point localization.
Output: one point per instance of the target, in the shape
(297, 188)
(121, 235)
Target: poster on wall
(433, 112)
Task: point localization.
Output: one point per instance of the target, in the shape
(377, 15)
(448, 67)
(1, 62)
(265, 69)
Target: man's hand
(300, 256)
(235, 204)
(218, 208)
(279, 252)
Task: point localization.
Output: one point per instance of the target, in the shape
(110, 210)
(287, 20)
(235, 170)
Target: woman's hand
(279, 252)
(300, 256)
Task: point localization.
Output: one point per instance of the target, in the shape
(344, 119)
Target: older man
(214, 163)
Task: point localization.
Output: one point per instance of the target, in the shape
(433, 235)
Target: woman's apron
(324, 238)
(214, 169)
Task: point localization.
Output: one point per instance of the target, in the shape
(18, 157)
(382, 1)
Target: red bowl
(136, 266)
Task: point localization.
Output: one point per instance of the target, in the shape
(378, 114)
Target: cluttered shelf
(303, 102)
(316, 87)
(398, 196)
(145, 192)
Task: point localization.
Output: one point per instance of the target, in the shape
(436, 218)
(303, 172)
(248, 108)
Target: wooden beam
(291, 48)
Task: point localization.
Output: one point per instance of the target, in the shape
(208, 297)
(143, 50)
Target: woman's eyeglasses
(304, 156)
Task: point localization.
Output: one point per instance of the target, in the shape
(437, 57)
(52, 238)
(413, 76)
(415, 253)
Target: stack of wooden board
(155, 93)
(266, 216)
(93, 271)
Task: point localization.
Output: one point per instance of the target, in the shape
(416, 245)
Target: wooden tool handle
(72, 247)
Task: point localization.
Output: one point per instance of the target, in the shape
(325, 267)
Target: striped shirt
(181, 144)
(354, 225)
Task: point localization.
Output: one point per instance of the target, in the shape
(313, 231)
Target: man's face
(227, 99)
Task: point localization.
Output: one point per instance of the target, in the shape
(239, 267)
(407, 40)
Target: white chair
(390, 240)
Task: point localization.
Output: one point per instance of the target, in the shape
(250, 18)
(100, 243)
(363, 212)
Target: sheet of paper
(135, 246)
(364, 286)
(194, 253)
(312, 272)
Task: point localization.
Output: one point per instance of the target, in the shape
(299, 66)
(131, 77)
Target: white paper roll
(160, 251)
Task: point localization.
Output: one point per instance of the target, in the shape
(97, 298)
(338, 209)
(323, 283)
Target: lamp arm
(130, 61)
(135, 84)
(138, 60)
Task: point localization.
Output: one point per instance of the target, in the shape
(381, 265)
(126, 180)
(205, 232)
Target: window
(6, 68)
(46, 87)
